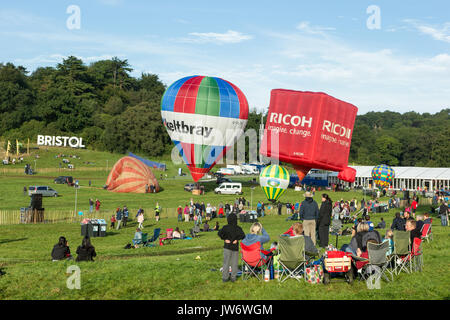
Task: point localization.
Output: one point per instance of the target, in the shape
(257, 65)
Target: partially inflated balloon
(274, 180)
(204, 116)
(131, 175)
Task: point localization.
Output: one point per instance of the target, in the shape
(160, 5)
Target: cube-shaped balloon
(309, 130)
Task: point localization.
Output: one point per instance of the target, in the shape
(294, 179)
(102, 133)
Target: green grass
(171, 272)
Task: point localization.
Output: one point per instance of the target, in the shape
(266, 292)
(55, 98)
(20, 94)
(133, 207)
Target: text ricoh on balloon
(309, 130)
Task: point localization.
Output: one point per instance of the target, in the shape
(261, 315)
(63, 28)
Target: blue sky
(258, 45)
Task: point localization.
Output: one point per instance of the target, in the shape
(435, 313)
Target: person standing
(91, 205)
(186, 213)
(97, 205)
(280, 206)
(125, 216)
(157, 211)
(324, 220)
(230, 234)
(309, 213)
(180, 213)
(118, 218)
(140, 219)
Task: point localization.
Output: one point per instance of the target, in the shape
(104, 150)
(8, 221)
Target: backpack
(128, 246)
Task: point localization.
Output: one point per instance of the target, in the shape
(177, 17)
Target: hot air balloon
(309, 130)
(204, 116)
(274, 180)
(383, 175)
(131, 175)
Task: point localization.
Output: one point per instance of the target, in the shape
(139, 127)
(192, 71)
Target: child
(113, 221)
(182, 234)
(231, 234)
(389, 237)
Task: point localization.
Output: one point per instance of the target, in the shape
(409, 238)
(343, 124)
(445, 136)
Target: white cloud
(440, 33)
(219, 38)
(305, 27)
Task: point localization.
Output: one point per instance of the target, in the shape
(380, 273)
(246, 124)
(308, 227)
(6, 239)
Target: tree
(387, 150)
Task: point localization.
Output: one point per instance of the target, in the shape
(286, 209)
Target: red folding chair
(167, 238)
(253, 264)
(426, 232)
(414, 260)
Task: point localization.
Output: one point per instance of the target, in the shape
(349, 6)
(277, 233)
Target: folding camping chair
(378, 261)
(142, 241)
(415, 258)
(252, 262)
(292, 257)
(336, 226)
(151, 242)
(401, 251)
(426, 232)
(167, 238)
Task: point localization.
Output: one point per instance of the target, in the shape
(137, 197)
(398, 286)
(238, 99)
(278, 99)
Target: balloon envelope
(309, 130)
(204, 116)
(274, 180)
(383, 175)
(130, 175)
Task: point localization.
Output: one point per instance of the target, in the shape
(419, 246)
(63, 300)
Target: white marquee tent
(410, 178)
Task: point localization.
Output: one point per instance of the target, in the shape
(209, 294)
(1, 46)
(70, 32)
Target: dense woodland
(114, 111)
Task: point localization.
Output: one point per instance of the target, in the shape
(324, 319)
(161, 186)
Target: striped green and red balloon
(204, 116)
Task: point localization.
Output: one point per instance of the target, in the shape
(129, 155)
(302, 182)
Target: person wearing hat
(309, 213)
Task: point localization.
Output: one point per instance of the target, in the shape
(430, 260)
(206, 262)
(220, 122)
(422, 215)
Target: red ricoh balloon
(309, 130)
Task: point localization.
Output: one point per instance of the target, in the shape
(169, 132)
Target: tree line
(114, 111)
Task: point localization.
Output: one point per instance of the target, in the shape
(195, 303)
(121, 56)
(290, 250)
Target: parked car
(46, 191)
(64, 179)
(189, 187)
(222, 180)
(229, 188)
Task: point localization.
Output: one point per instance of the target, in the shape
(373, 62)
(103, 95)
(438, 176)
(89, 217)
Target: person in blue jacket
(258, 234)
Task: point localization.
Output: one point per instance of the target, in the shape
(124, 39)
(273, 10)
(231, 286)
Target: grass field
(172, 271)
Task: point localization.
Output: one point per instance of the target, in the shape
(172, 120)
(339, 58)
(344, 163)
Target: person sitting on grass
(176, 233)
(137, 237)
(381, 225)
(61, 250)
(216, 227)
(182, 234)
(205, 227)
(86, 251)
(398, 223)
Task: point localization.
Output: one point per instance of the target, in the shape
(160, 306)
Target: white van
(226, 171)
(229, 188)
(249, 169)
(237, 168)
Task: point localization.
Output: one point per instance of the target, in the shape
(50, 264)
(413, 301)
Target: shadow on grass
(12, 240)
(146, 252)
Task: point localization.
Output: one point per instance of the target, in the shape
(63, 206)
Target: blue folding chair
(151, 242)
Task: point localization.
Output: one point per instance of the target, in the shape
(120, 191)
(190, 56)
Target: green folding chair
(292, 257)
(402, 241)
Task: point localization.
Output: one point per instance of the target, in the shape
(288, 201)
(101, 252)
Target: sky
(377, 55)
